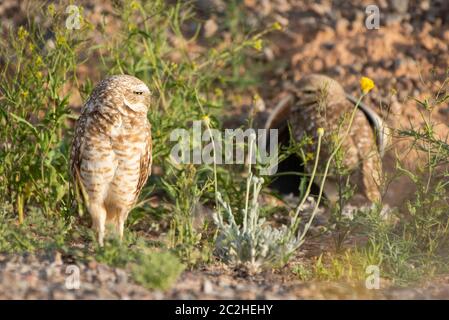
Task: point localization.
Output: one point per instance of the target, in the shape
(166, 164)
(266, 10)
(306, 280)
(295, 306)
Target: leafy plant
(33, 114)
(254, 244)
(157, 270)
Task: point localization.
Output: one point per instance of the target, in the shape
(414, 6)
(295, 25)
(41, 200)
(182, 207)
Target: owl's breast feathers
(93, 120)
(145, 162)
(125, 135)
(132, 143)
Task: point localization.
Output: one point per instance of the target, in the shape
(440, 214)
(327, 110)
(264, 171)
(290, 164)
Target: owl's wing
(145, 163)
(278, 117)
(76, 156)
(379, 126)
(77, 146)
(76, 152)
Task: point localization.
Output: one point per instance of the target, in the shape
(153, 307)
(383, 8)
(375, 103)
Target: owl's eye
(138, 92)
(308, 91)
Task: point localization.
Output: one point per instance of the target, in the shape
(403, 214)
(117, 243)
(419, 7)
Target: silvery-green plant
(255, 244)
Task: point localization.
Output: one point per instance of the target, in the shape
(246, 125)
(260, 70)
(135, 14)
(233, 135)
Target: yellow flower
(320, 131)
(238, 99)
(89, 25)
(60, 40)
(24, 93)
(38, 61)
(310, 156)
(39, 75)
(134, 5)
(51, 10)
(366, 84)
(256, 97)
(277, 26)
(206, 120)
(132, 27)
(213, 52)
(258, 45)
(218, 92)
(22, 33)
(31, 46)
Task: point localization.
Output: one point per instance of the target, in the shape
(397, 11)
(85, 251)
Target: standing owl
(319, 101)
(110, 158)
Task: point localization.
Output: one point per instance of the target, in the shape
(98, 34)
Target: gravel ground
(47, 276)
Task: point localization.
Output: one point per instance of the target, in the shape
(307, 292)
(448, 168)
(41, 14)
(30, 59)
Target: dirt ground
(45, 276)
(408, 56)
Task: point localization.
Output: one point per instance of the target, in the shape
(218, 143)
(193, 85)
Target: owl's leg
(114, 213)
(372, 176)
(98, 214)
(111, 216)
(116, 216)
(121, 222)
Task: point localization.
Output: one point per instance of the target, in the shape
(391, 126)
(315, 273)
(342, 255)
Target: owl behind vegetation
(319, 101)
(110, 158)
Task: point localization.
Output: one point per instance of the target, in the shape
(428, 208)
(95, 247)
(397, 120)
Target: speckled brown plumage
(111, 150)
(319, 101)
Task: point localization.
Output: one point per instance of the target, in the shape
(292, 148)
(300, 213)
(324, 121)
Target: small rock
(342, 26)
(445, 35)
(269, 55)
(158, 295)
(393, 18)
(92, 264)
(317, 65)
(400, 6)
(207, 287)
(424, 5)
(57, 259)
(121, 276)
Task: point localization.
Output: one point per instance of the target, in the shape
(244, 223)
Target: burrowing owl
(111, 150)
(319, 101)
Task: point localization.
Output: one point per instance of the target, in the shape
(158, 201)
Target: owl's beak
(136, 107)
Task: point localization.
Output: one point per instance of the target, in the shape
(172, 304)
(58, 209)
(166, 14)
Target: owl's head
(125, 89)
(320, 88)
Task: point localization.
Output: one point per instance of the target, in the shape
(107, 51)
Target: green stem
(214, 166)
(248, 183)
(309, 186)
(326, 170)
